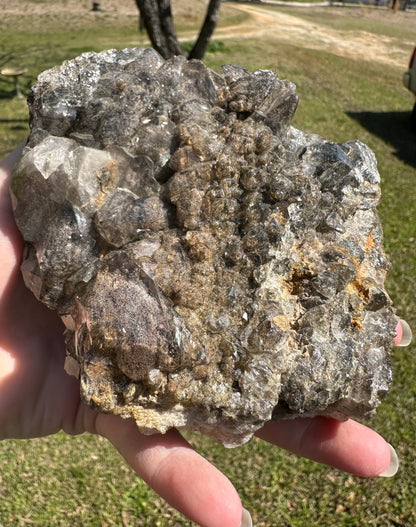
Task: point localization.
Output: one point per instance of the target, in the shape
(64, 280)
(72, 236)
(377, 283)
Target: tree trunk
(208, 28)
(157, 18)
(141, 23)
(168, 27)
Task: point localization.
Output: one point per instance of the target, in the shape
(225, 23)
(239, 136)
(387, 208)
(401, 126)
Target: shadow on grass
(16, 124)
(394, 128)
(7, 94)
(8, 89)
(20, 120)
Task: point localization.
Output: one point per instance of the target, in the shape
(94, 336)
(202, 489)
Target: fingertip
(393, 466)
(207, 496)
(348, 446)
(403, 334)
(246, 520)
(365, 453)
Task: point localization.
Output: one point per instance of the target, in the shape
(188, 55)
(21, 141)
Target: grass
(81, 481)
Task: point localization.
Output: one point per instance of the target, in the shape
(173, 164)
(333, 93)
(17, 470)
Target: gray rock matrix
(215, 268)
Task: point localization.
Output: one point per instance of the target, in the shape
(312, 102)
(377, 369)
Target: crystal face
(215, 267)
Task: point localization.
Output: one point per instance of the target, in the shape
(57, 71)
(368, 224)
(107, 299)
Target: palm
(32, 335)
(43, 398)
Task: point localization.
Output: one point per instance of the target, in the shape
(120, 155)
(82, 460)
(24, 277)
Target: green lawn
(66, 481)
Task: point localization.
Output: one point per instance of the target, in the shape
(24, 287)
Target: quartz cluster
(215, 268)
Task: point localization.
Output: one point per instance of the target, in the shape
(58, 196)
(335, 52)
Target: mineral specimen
(215, 268)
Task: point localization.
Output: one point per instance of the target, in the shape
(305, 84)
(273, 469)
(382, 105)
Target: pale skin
(38, 398)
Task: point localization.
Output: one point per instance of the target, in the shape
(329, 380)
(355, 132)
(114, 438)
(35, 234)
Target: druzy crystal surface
(215, 267)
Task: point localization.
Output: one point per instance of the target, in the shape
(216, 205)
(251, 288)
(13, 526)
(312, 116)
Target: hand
(38, 398)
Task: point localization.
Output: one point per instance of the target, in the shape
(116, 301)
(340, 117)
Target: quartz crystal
(215, 267)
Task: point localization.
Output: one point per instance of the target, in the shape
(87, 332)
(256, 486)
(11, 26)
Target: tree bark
(141, 23)
(208, 28)
(157, 18)
(168, 27)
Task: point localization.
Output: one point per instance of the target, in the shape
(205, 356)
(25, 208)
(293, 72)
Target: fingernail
(403, 334)
(392, 469)
(246, 520)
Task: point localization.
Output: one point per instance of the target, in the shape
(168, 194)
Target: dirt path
(265, 23)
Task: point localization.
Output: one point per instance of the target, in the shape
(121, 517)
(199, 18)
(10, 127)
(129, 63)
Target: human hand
(38, 398)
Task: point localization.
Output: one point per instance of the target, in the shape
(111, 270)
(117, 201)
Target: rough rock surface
(215, 268)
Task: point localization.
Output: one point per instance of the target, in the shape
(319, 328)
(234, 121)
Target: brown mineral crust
(215, 267)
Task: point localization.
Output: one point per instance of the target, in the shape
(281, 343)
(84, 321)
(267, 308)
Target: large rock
(215, 268)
